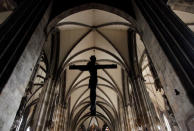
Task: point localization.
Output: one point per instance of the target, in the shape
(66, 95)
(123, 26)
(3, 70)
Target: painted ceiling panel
(86, 42)
(191, 27)
(87, 122)
(83, 56)
(83, 110)
(111, 94)
(94, 17)
(101, 42)
(71, 78)
(94, 39)
(85, 17)
(100, 122)
(116, 26)
(93, 121)
(186, 17)
(81, 77)
(71, 26)
(100, 110)
(105, 106)
(82, 80)
(104, 75)
(116, 76)
(78, 95)
(68, 38)
(103, 95)
(82, 117)
(100, 55)
(4, 16)
(119, 40)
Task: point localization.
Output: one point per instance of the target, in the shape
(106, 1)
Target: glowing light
(28, 129)
(158, 127)
(107, 129)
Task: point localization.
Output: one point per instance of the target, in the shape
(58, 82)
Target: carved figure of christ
(92, 68)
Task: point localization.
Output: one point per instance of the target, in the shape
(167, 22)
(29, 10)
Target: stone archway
(167, 74)
(153, 47)
(83, 7)
(115, 58)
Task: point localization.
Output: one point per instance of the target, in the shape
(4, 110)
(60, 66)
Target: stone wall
(180, 104)
(15, 87)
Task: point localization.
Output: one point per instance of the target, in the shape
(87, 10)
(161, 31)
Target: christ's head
(93, 58)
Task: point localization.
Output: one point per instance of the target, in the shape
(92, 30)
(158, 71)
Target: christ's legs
(92, 86)
(93, 101)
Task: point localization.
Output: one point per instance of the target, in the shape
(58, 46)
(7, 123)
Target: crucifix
(92, 68)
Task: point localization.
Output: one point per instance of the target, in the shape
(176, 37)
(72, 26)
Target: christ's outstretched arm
(79, 67)
(111, 66)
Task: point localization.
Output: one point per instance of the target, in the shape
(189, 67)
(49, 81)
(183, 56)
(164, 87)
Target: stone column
(131, 118)
(121, 115)
(142, 103)
(174, 37)
(41, 113)
(21, 38)
(169, 43)
(16, 32)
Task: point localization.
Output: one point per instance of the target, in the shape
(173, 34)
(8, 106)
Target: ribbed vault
(105, 35)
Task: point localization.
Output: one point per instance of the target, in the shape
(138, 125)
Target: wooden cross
(92, 68)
